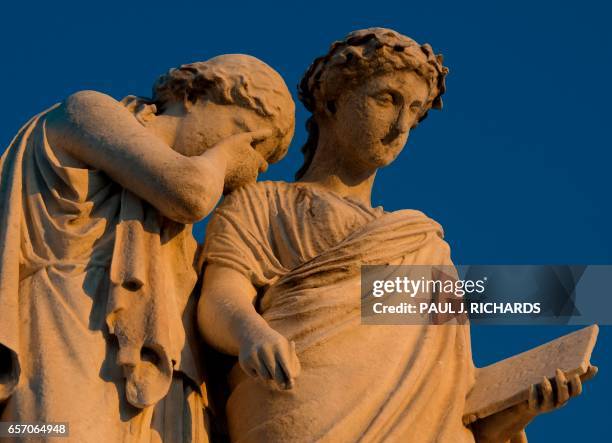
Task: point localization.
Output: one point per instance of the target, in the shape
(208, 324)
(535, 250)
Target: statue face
(372, 121)
(204, 124)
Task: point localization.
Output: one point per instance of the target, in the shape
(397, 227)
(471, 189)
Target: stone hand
(141, 108)
(239, 149)
(242, 157)
(271, 358)
(552, 394)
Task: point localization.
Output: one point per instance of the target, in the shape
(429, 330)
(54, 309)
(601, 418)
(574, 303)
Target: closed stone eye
(384, 98)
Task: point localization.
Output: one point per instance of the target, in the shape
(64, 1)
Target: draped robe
(92, 276)
(302, 248)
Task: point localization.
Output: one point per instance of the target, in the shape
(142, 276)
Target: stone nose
(400, 126)
(403, 120)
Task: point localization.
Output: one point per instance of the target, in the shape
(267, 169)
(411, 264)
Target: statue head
(367, 92)
(212, 100)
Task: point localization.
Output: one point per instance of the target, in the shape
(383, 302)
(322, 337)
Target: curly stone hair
(233, 79)
(360, 55)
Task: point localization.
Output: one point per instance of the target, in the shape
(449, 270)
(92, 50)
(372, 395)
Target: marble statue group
(114, 320)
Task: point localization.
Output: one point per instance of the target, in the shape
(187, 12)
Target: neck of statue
(335, 171)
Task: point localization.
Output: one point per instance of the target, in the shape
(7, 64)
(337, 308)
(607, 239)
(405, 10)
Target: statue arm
(226, 311)
(228, 321)
(97, 130)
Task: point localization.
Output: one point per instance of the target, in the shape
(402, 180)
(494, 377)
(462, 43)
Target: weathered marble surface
(96, 252)
(98, 268)
(281, 288)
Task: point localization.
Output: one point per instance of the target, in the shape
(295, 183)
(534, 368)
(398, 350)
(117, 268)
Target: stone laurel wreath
(360, 55)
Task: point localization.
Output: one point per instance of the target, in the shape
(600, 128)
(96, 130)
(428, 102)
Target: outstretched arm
(100, 132)
(228, 321)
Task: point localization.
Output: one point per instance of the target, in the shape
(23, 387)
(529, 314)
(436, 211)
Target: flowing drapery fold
(94, 295)
(303, 248)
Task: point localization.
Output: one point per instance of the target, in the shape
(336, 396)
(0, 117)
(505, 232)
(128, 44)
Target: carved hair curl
(233, 79)
(360, 55)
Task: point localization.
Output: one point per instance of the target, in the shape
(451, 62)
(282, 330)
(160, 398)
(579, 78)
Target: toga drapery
(302, 248)
(94, 292)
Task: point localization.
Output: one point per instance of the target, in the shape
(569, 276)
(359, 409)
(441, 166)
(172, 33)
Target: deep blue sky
(516, 167)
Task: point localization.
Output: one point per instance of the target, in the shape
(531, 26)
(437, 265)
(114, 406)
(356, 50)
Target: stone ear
(188, 102)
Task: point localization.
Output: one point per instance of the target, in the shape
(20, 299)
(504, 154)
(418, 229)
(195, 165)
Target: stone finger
(575, 386)
(561, 385)
(268, 362)
(547, 394)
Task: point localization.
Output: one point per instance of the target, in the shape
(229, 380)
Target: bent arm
(226, 313)
(100, 132)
